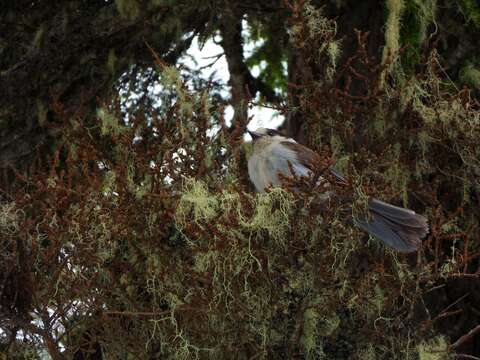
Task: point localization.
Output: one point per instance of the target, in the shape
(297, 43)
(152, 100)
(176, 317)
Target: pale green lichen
(99, 230)
(470, 75)
(318, 25)
(272, 213)
(205, 261)
(138, 188)
(187, 101)
(311, 341)
(434, 349)
(368, 353)
(471, 11)
(392, 33)
(334, 51)
(52, 182)
(392, 27)
(9, 218)
(361, 199)
(426, 14)
(328, 324)
(110, 125)
(378, 299)
(321, 30)
(318, 325)
(299, 281)
(417, 16)
(272, 209)
(109, 183)
(398, 174)
(196, 204)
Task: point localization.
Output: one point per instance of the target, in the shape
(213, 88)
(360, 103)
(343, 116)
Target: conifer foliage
(129, 228)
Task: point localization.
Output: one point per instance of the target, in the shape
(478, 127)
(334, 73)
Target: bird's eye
(272, 132)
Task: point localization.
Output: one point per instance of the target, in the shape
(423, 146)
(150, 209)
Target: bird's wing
(310, 159)
(282, 153)
(306, 157)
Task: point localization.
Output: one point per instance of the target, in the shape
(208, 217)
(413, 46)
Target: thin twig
(455, 302)
(466, 356)
(466, 337)
(137, 313)
(466, 275)
(217, 57)
(148, 313)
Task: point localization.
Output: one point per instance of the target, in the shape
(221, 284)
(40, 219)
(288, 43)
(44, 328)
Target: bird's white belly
(264, 169)
(263, 172)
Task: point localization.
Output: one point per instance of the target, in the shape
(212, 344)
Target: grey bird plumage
(400, 228)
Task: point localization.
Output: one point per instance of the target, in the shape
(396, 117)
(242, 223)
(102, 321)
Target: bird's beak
(255, 135)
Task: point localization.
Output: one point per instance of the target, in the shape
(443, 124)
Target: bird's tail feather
(400, 228)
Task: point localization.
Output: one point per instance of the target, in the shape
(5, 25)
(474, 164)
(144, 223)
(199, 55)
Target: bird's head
(264, 133)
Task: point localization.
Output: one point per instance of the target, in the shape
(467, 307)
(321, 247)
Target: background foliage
(128, 226)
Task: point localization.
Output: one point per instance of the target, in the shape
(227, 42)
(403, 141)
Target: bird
(275, 156)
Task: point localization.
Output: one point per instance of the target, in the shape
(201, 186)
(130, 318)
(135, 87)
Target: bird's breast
(264, 166)
(262, 172)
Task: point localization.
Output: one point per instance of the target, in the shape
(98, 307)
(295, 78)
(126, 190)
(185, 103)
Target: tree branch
(231, 32)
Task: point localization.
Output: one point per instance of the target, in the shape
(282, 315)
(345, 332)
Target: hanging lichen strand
(142, 239)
